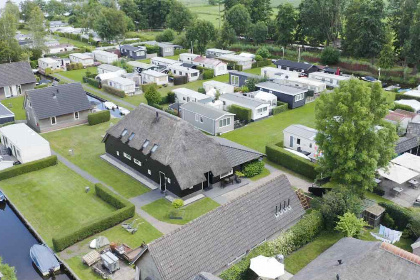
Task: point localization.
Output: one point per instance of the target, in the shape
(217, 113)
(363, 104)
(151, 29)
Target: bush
(280, 108)
(262, 63)
(152, 95)
(48, 71)
(378, 190)
(238, 67)
(399, 96)
(400, 215)
(177, 203)
(152, 49)
(208, 74)
(170, 97)
(330, 56)
(241, 113)
(157, 106)
(293, 162)
(113, 91)
(263, 52)
(74, 66)
(146, 86)
(125, 211)
(166, 36)
(34, 64)
(253, 168)
(258, 58)
(99, 117)
(201, 90)
(403, 107)
(179, 51)
(388, 221)
(91, 82)
(27, 167)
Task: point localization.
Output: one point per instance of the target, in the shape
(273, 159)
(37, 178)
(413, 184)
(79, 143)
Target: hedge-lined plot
(99, 117)
(28, 167)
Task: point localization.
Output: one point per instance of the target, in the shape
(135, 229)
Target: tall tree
(352, 136)
(238, 17)
(26, 7)
(258, 32)
(321, 20)
(9, 48)
(365, 28)
(109, 24)
(179, 17)
(155, 11)
(286, 24)
(55, 8)
(200, 33)
(37, 27)
(227, 36)
(7, 271)
(129, 7)
(387, 55)
(260, 10)
(412, 45)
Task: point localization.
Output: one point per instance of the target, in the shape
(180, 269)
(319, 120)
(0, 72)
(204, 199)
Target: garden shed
(372, 212)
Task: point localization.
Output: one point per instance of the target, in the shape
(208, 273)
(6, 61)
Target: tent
(99, 242)
(267, 268)
(397, 173)
(409, 161)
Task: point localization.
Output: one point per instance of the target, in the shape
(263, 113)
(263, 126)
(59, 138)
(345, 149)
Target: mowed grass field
(85, 141)
(78, 75)
(54, 200)
(15, 104)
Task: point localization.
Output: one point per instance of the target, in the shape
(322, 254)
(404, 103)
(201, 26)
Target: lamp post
(283, 51)
(379, 75)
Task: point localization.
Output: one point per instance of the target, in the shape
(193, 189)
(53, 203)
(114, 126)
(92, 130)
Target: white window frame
(127, 156)
(55, 120)
(76, 115)
(149, 172)
(226, 174)
(235, 80)
(118, 153)
(136, 161)
(169, 180)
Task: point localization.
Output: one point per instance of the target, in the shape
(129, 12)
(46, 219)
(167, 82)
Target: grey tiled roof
(206, 276)
(413, 128)
(301, 131)
(58, 100)
(5, 112)
(214, 240)
(236, 153)
(205, 110)
(281, 88)
(180, 145)
(365, 260)
(406, 143)
(131, 48)
(109, 67)
(241, 100)
(16, 73)
(293, 64)
(245, 74)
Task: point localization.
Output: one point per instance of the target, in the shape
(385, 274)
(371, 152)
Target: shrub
(91, 82)
(170, 97)
(99, 117)
(27, 167)
(350, 225)
(258, 57)
(280, 108)
(125, 211)
(293, 162)
(241, 113)
(146, 86)
(263, 52)
(253, 168)
(152, 49)
(238, 67)
(330, 56)
(400, 215)
(34, 64)
(113, 91)
(201, 90)
(166, 36)
(208, 74)
(177, 203)
(403, 107)
(170, 111)
(378, 190)
(388, 221)
(179, 51)
(180, 80)
(262, 63)
(152, 95)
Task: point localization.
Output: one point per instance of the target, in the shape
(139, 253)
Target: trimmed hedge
(241, 113)
(126, 210)
(399, 96)
(99, 117)
(152, 49)
(28, 167)
(293, 162)
(297, 236)
(280, 108)
(74, 66)
(114, 91)
(262, 63)
(400, 215)
(157, 106)
(403, 107)
(253, 168)
(91, 82)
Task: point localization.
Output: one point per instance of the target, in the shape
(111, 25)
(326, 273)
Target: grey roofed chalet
(293, 64)
(215, 240)
(16, 73)
(406, 143)
(132, 48)
(236, 153)
(244, 101)
(302, 131)
(206, 276)
(180, 145)
(245, 74)
(281, 88)
(109, 67)
(58, 100)
(367, 260)
(205, 110)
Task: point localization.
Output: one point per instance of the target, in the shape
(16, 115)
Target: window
(118, 153)
(136, 161)
(155, 146)
(149, 172)
(264, 109)
(298, 141)
(224, 122)
(76, 115)
(220, 123)
(127, 156)
(201, 119)
(310, 145)
(196, 117)
(53, 120)
(146, 143)
(234, 80)
(169, 180)
(194, 74)
(131, 136)
(228, 121)
(124, 132)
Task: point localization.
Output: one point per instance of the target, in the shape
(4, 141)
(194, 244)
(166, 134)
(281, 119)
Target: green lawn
(75, 43)
(258, 134)
(78, 75)
(161, 208)
(117, 234)
(15, 104)
(54, 201)
(263, 174)
(85, 141)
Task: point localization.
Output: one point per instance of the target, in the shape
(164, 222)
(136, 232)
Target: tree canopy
(352, 136)
(201, 32)
(286, 24)
(239, 19)
(110, 24)
(179, 17)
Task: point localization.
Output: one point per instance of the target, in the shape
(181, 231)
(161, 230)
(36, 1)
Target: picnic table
(414, 183)
(397, 191)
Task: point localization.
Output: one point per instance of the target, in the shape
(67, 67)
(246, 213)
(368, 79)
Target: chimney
(54, 94)
(338, 277)
(157, 115)
(340, 262)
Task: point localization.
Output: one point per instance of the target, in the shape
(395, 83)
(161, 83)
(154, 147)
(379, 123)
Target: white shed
(104, 56)
(306, 83)
(47, 62)
(245, 62)
(124, 84)
(222, 88)
(260, 109)
(86, 60)
(302, 139)
(26, 145)
(276, 73)
(331, 80)
(184, 95)
(187, 57)
(152, 76)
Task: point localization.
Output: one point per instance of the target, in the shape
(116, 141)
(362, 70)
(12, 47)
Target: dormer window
(146, 143)
(155, 146)
(124, 132)
(131, 136)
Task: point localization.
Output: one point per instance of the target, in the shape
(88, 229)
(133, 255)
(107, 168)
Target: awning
(397, 173)
(267, 268)
(409, 161)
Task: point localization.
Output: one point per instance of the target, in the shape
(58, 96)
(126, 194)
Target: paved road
(94, 90)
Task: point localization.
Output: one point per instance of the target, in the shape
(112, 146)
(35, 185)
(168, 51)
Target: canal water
(100, 106)
(15, 242)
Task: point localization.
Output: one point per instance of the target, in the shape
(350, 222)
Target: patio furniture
(414, 183)
(227, 181)
(397, 191)
(267, 268)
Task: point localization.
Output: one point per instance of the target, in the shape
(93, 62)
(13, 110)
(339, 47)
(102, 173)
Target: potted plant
(238, 176)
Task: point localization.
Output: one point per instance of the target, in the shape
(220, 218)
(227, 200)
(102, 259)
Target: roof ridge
(216, 209)
(401, 253)
(246, 149)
